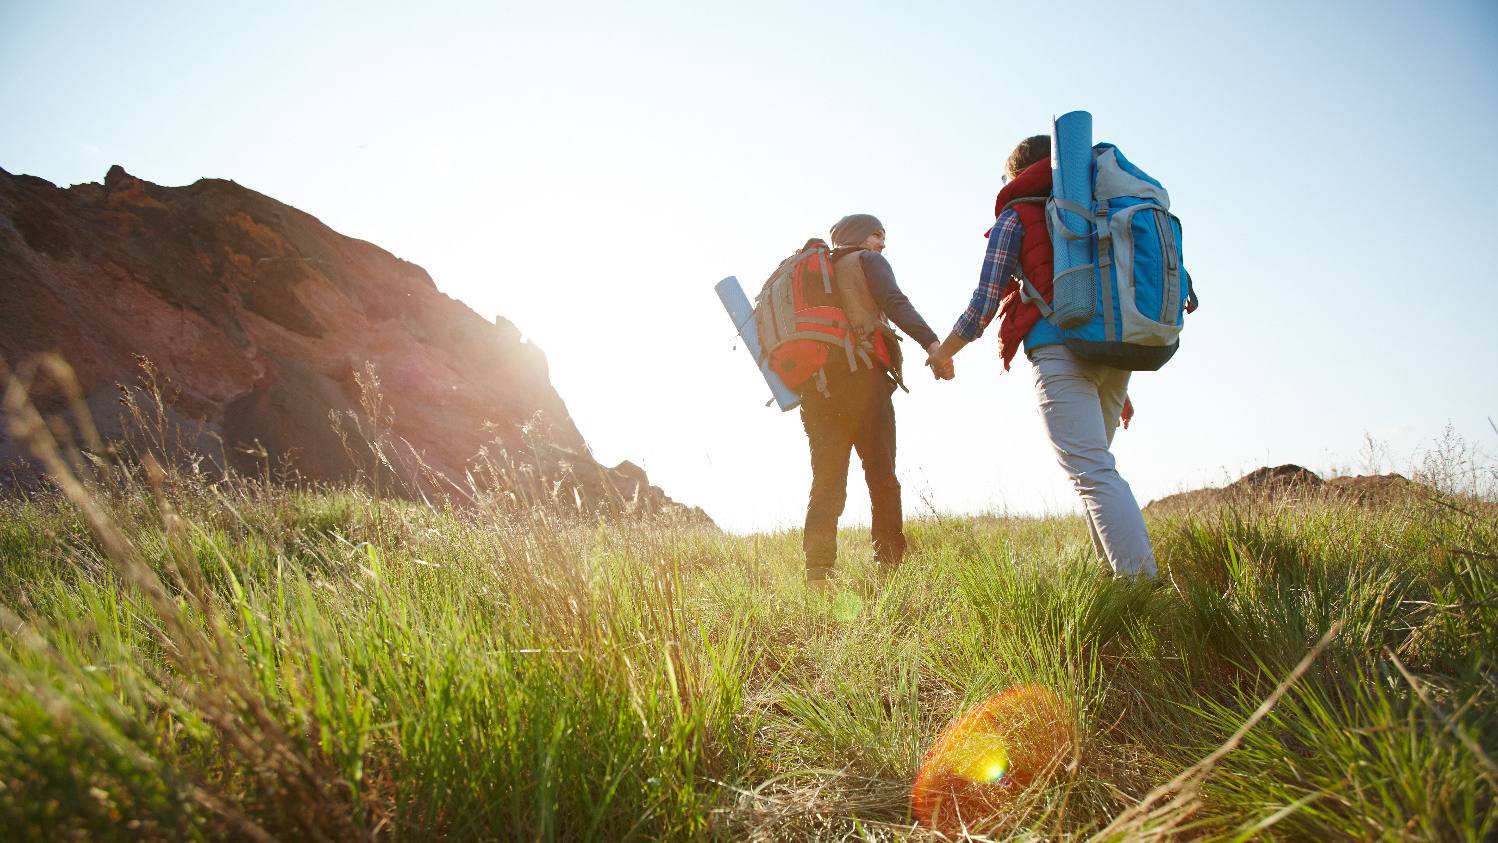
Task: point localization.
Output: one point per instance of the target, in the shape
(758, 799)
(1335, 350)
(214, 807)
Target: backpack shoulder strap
(1023, 200)
(1029, 295)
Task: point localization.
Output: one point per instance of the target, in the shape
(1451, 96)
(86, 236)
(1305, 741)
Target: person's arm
(896, 306)
(993, 279)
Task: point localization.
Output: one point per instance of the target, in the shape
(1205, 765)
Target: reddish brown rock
(262, 320)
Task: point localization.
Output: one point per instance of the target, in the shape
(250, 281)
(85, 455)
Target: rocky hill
(1289, 484)
(266, 328)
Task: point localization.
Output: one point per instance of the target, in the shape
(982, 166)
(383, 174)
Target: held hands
(940, 362)
(1128, 412)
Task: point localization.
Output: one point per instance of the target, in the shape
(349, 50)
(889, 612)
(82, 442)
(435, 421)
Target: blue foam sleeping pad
(1071, 180)
(742, 314)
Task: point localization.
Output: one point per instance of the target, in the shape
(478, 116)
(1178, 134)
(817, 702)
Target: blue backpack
(1126, 305)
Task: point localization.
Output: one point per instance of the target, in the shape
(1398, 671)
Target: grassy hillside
(184, 656)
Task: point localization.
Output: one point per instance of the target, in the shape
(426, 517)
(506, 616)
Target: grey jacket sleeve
(881, 278)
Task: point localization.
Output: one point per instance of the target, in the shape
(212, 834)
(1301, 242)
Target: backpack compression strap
(1104, 259)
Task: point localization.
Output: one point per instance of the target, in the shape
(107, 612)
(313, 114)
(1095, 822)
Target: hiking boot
(819, 580)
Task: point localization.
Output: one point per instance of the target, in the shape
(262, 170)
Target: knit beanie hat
(854, 229)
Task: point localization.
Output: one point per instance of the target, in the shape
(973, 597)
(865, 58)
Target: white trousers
(1079, 404)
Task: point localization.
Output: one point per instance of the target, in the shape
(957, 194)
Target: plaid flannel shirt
(1000, 263)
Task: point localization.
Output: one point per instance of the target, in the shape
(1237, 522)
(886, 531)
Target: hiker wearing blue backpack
(1082, 330)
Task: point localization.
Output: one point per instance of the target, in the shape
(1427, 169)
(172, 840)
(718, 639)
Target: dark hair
(1029, 151)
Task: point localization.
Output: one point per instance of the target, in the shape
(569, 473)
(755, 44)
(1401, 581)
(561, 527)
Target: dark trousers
(858, 415)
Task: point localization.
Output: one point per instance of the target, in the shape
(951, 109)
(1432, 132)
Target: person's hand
(1128, 412)
(941, 364)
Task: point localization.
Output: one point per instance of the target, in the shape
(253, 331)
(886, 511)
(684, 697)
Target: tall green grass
(194, 657)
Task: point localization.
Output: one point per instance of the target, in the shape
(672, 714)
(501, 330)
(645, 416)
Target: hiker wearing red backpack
(847, 407)
(1081, 400)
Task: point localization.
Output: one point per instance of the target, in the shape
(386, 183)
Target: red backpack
(800, 319)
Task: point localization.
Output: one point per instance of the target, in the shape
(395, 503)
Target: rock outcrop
(267, 328)
(1289, 484)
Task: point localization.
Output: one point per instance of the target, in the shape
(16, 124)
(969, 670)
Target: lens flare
(980, 764)
(846, 607)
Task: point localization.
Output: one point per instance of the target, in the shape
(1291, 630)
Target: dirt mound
(1291, 483)
(1372, 489)
(263, 322)
(1287, 476)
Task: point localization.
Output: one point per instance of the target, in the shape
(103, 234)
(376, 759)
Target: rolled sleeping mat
(1074, 292)
(742, 314)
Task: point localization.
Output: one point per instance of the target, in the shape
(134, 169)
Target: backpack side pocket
(1074, 291)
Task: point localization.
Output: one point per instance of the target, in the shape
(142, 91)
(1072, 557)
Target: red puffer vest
(1016, 317)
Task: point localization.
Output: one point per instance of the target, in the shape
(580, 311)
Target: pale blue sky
(590, 170)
